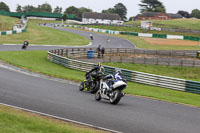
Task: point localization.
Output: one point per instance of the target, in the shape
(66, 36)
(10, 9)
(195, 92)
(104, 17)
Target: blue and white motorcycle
(111, 88)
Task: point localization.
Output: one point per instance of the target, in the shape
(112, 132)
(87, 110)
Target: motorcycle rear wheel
(95, 88)
(116, 97)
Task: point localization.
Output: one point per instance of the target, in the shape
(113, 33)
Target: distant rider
(91, 36)
(25, 45)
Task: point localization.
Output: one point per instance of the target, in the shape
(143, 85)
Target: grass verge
(141, 43)
(36, 61)
(135, 29)
(6, 23)
(189, 73)
(43, 35)
(17, 121)
(193, 24)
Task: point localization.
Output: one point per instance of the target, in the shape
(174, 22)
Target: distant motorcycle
(91, 84)
(91, 37)
(112, 93)
(25, 45)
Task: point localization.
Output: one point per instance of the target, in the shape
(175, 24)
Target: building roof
(174, 15)
(148, 14)
(109, 16)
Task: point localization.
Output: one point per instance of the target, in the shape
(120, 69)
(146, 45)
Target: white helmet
(117, 70)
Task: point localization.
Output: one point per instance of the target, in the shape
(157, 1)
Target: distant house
(157, 16)
(101, 18)
(174, 16)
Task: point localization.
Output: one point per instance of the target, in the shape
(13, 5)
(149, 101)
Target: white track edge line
(60, 118)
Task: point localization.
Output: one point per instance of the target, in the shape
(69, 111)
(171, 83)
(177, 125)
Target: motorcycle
(91, 84)
(113, 92)
(91, 37)
(24, 46)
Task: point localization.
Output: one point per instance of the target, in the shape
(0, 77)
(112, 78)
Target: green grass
(139, 30)
(193, 24)
(36, 61)
(189, 73)
(141, 43)
(6, 23)
(16, 121)
(163, 94)
(43, 35)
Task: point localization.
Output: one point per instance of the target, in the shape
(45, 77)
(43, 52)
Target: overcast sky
(172, 6)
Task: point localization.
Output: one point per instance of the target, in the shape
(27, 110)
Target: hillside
(136, 29)
(193, 24)
(6, 23)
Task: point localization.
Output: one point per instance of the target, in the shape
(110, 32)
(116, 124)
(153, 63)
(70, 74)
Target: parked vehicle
(111, 89)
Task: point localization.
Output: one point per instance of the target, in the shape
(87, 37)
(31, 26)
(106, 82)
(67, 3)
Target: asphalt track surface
(99, 39)
(132, 114)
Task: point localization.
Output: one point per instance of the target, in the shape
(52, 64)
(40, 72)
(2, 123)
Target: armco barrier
(56, 56)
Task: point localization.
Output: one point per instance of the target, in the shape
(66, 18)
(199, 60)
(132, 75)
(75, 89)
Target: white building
(101, 18)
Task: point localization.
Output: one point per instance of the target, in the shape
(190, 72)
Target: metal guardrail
(56, 56)
(138, 56)
(170, 53)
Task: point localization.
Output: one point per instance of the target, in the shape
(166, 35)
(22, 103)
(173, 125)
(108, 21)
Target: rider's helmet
(99, 64)
(117, 70)
(101, 68)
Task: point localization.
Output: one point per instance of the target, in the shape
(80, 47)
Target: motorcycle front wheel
(115, 97)
(98, 96)
(81, 87)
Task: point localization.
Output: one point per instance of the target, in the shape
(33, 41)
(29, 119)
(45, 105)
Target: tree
(121, 10)
(152, 6)
(131, 19)
(58, 10)
(45, 7)
(82, 10)
(19, 8)
(29, 8)
(64, 17)
(195, 13)
(110, 10)
(184, 14)
(4, 7)
(73, 10)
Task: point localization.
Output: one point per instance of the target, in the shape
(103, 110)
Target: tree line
(118, 8)
(145, 6)
(157, 6)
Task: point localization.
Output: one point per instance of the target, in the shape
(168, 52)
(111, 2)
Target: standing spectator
(99, 51)
(102, 51)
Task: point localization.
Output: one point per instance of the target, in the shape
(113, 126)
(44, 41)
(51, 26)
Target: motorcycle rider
(111, 78)
(91, 36)
(97, 68)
